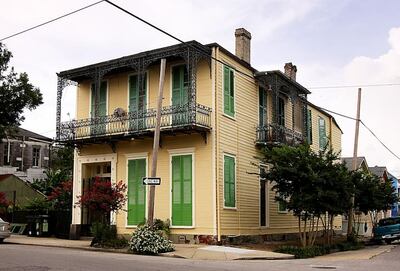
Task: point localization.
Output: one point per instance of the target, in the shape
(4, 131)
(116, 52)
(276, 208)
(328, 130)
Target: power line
(336, 113)
(50, 21)
(380, 141)
(177, 39)
(357, 86)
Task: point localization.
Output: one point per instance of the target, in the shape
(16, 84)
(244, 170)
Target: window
(6, 153)
(263, 198)
(309, 127)
(281, 111)
(35, 156)
(262, 106)
(229, 182)
(282, 207)
(229, 92)
(322, 133)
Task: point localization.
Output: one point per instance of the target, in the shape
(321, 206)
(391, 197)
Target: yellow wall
(333, 132)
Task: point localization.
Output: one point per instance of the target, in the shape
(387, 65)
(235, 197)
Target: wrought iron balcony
(137, 123)
(274, 134)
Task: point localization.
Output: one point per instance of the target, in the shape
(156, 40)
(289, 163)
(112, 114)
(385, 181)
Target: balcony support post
(62, 83)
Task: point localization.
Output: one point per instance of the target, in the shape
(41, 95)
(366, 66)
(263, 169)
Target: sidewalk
(361, 254)
(195, 252)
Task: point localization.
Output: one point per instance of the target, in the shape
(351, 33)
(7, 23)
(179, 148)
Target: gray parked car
(4, 230)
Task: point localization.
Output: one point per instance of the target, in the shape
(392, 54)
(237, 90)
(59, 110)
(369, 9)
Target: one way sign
(151, 180)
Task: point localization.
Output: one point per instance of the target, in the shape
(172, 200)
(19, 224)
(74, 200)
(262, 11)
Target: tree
(62, 158)
(16, 94)
(61, 196)
(53, 179)
(372, 194)
(104, 197)
(4, 203)
(314, 186)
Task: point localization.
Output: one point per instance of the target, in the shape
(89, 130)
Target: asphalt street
(35, 258)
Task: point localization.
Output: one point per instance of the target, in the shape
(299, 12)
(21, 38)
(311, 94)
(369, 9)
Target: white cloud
(379, 105)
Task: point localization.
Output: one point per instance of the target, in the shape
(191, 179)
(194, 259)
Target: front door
(98, 126)
(180, 95)
(182, 190)
(136, 191)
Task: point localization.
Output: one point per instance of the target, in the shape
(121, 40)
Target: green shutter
(322, 133)
(262, 107)
(176, 85)
(229, 181)
(309, 127)
(182, 190)
(136, 191)
(137, 95)
(102, 99)
(229, 92)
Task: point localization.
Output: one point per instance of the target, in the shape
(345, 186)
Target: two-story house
(25, 154)
(218, 111)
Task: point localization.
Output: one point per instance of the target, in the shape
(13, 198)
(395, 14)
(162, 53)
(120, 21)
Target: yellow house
(217, 112)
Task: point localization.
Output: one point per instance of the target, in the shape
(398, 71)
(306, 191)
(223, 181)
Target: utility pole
(350, 223)
(156, 144)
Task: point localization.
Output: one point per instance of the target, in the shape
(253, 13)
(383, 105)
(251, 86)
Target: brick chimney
(290, 70)
(242, 49)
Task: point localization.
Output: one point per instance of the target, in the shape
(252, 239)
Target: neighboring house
(395, 184)
(363, 223)
(215, 119)
(25, 154)
(18, 191)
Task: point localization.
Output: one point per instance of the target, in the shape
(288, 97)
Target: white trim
(171, 79)
(234, 93)
(135, 156)
(213, 135)
(181, 151)
(172, 154)
(147, 90)
(89, 159)
(223, 184)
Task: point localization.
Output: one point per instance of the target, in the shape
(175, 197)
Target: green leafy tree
(62, 158)
(16, 94)
(313, 185)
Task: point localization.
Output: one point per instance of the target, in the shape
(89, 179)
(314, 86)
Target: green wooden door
(182, 190)
(136, 191)
(98, 126)
(137, 103)
(180, 95)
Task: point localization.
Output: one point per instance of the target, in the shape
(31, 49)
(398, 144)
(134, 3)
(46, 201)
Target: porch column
(75, 228)
(113, 215)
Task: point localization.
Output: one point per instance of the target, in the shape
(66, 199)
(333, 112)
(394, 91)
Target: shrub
(149, 241)
(313, 251)
(105, 235)
(304, 252)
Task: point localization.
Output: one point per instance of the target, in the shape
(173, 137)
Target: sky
(332, 43)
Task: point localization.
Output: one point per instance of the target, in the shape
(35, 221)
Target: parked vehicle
(4, 230)
(388, 229)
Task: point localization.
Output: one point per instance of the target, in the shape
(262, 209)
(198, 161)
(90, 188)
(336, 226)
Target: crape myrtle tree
(312, 185)
(16, 94)
(372, 195)
(103, 197)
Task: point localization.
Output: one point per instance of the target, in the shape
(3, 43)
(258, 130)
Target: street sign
(151, 180)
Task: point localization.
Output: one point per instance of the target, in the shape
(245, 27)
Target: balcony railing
(138, 122)
(276, 134)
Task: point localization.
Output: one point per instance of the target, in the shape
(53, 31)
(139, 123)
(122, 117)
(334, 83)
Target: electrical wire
(178, 39)
(50, 21)
(380, 141)
(357, 86)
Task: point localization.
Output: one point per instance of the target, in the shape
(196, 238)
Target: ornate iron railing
(278, 134)
(137, 122)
